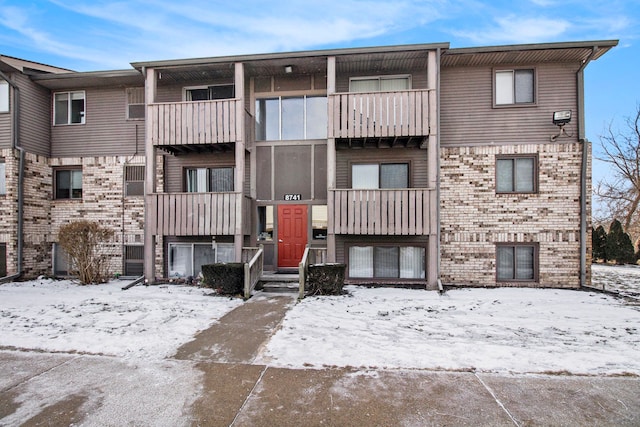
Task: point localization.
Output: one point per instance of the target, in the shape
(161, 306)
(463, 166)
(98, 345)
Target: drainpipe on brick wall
(583, 169)
(15, 144)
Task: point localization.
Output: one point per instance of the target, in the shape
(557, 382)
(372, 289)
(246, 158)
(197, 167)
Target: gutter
(583, 169)
(15, 137)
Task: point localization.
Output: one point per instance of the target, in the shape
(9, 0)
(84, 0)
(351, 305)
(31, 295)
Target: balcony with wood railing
(407, 113)
(381, 212)
(195, 122)
(199, 214)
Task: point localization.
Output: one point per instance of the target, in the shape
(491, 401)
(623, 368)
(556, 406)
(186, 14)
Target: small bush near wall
(226, 278)
(326, 279)
(86, 243)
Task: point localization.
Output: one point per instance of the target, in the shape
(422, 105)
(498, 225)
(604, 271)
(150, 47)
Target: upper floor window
(68, 108)
(209, 180)
(3, 178)
(514, 87)
(380, 175)
(516, 174)
(4, 96)
(68, 184)
(291, 118)
(135, 103)
(379, 83)
(208, 93)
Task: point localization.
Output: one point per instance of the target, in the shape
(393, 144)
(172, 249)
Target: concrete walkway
(212, 381)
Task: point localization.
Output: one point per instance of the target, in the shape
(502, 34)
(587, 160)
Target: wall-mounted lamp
(561, 118)
(288, 69)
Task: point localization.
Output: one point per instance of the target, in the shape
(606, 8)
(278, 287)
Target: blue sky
(101, 35)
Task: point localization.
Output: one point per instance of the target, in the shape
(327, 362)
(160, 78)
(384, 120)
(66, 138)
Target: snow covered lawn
(624, 279)
(142, 322)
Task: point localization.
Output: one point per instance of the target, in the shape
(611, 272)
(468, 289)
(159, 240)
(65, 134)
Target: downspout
(15, 137)
(583, 170)
(439, 250)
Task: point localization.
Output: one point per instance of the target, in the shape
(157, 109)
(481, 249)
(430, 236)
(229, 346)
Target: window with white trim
(4, 96)
(68, 184)
(68, 108)
(209, 180)
(516, 262)
(387, 262)
(516, 174)
(379, 83)
(187, 259)
(379, 175)
(513, 87)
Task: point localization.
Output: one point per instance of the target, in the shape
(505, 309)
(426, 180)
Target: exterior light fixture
(288, 69)
(560, 119)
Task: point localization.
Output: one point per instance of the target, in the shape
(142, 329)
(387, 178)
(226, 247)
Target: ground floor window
(516, 262)
(60, 261)
(3, 259)
(404, 262)
(187, 259)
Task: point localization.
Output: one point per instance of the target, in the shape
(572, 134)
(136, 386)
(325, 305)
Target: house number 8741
(290, 197)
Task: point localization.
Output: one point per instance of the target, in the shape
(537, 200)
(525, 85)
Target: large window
(3, 178)
(68, 184)
(387, 262)
(516, 174)
(379, 175)
(514, 87)
(379, 83)
(68, 108)
(291, 118)
(187, 259)
(209, 180)
(4, 96)
(208, 93)
(516, 262)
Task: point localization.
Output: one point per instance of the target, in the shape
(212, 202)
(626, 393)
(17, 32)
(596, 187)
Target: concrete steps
(272, 281)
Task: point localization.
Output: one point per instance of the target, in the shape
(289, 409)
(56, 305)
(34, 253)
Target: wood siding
(381, 212)
(106, 131)
(197, 214)
(192, 123)
(468, 117)
(5, 130)
(35, 116)
(174, 167)
(382, 114)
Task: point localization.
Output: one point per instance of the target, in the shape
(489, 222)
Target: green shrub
(226, 278)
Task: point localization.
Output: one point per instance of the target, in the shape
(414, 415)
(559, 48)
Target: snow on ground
(496, 330)
(616, 278)
(148, 322)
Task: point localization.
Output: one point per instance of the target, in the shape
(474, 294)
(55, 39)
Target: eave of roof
(90, 79)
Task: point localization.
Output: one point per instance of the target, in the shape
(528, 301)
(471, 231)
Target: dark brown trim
(55, 171)
(536, 261)
(407, 162)
(536, 172)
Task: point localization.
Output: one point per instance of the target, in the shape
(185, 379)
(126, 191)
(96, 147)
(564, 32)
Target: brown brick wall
(474, 218)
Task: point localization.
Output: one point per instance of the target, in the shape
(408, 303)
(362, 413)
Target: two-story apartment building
(413, 164)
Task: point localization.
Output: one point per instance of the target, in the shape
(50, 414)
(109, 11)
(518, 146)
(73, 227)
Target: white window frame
(511, 89)
(407, 77)
(4, 96)
(214, 245)
(69, 121)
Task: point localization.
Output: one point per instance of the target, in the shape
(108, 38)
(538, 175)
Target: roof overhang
(122, 78)
(579, 51)
(10, 64)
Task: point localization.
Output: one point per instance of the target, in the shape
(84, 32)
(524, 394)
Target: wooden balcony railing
(381, 212)
(197, 214)
(382, 114)
(197, 122)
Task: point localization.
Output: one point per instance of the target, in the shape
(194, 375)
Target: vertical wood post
(150, 87)
(240, 160)
(433, 173)
(331, 160)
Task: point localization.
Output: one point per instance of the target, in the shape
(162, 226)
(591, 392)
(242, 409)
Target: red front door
(292, 234)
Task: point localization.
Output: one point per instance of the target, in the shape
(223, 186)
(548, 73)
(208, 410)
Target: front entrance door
(292, 234)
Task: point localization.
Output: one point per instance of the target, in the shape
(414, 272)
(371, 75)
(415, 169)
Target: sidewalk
(212, 381)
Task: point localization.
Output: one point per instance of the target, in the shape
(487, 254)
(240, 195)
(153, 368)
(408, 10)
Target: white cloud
(514, 29)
